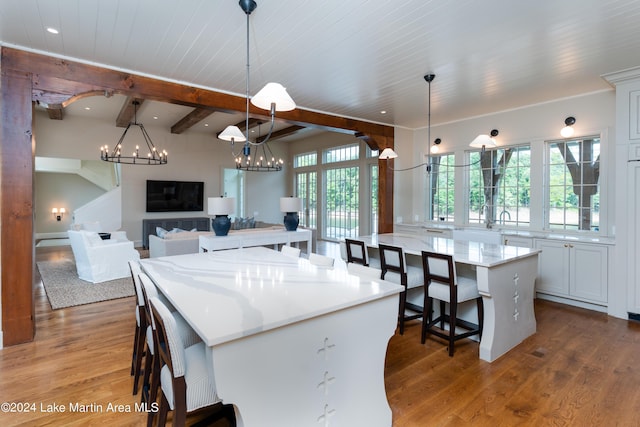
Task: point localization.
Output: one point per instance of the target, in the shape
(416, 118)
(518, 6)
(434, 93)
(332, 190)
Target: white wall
(193, 156)
(60, 190)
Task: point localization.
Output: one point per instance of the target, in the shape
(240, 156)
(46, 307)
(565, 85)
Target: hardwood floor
(581, 368)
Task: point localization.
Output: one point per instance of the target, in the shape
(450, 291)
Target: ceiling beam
(73, 75)
(190, 120)
(55, 113)
(281, 133)
(128, 111)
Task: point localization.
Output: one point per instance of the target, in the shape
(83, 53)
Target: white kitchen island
(506, 279)
(289, 343)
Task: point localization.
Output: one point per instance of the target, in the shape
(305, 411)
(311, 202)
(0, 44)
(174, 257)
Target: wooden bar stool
(442, 283)
(394, 269)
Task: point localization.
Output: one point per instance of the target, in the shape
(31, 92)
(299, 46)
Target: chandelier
(153, 157)
(273, 97)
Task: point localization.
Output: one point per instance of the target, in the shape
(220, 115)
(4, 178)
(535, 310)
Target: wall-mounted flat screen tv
(175, 196)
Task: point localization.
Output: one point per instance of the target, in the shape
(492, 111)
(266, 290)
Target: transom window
(342, 154)
(305, 159)
(573, 197)
(499, 186)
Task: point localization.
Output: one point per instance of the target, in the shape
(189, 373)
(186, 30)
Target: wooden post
(17, 249)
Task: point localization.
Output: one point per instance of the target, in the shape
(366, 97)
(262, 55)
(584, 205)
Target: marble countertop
(226, 295)
(555, 235)
(473, 253)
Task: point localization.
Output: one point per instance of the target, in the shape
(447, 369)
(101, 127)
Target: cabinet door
(553, 267)
(588, 272)
(633, 248)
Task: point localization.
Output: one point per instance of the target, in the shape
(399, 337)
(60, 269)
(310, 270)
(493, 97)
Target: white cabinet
(521, 242)
(576, 271)
(633, 270)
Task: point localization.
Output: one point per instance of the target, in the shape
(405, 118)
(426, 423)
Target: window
(342, 202)
(306, 189)
(441, 180)
(499, 186)
(305, 159)
(573, 198)
(342, 154)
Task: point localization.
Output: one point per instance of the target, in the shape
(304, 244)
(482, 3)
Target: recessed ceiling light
(52, 30)
(87, 108)
(383, 112)
(155, 117)
(206, 125)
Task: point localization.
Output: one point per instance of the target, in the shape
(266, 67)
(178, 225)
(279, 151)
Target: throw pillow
(160, 232)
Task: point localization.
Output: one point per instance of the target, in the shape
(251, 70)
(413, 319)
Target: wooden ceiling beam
(282, 133)
(76, 74)
(128, 111)
(190, 120)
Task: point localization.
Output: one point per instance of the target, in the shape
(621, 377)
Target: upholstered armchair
(100, 260)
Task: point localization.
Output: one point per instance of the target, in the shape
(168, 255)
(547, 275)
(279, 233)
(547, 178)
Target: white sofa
(100, 260)
(185, 242)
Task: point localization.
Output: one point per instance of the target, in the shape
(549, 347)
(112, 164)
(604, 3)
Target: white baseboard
(573, 302)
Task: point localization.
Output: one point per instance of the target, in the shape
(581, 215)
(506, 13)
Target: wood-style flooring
(581, 368)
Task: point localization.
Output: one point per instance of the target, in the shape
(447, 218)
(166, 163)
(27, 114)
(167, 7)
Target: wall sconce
(483, 141)
(58, 213)
(434, 148)
(567, 130)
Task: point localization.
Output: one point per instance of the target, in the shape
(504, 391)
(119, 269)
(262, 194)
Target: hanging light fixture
(273, 97)
(388, 153)
(118, 155)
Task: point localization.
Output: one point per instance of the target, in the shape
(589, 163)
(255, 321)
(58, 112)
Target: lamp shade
(566, 132)
(483, 141)
(273, 93)
(290, 204)
(388, 153)
(232, 133)
(221, 205)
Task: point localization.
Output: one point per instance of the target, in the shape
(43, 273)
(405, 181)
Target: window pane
(441, 180)
(499, 186)
(306, 159)
(342, 154)
(573, 201)
(342, 203)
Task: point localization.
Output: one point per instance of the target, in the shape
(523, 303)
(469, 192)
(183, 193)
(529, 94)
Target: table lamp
(221, 207)
(291, 206)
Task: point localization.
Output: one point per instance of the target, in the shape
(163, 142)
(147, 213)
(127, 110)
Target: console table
(149, 226)
(255, 237)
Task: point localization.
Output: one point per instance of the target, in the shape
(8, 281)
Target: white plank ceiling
(351, 58)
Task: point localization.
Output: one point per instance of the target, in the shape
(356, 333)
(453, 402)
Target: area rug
(65, 289)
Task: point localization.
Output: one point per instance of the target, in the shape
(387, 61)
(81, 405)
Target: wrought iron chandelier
(272, 97)
(153, 157)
